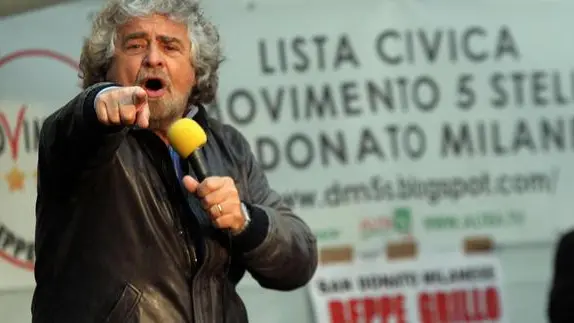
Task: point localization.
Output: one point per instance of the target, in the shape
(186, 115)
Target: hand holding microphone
(219, 195)
(123, 106)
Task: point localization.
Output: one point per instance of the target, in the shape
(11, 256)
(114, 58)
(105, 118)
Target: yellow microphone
(187, 137)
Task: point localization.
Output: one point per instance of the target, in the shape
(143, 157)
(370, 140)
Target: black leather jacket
(116, 240)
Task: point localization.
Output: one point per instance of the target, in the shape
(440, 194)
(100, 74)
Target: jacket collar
(200, 116)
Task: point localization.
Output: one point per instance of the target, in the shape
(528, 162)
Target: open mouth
(154, 84)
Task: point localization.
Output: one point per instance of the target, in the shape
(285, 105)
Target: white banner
(376, 120)
(382, 120)
(438, 289)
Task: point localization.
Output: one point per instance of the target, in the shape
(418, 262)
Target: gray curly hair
(98, 49)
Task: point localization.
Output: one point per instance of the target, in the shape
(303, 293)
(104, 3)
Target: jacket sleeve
(278, 248)
(562, 288)
(72, 137)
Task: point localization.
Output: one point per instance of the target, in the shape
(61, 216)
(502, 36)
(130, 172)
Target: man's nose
(154, 57)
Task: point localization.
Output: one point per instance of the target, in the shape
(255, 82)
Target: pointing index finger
(139, 96)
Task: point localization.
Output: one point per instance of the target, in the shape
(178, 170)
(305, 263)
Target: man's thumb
(142, 118)
(190, 183)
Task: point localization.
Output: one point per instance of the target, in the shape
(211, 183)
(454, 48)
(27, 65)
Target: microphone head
(185, 136)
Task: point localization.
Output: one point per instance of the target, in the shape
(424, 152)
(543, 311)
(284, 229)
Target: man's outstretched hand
(123, 106)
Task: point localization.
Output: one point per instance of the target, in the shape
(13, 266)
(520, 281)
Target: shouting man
(123, 233)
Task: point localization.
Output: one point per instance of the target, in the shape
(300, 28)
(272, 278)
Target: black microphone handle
(198, 164)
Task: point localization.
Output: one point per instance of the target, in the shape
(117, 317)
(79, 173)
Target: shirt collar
(192, 112)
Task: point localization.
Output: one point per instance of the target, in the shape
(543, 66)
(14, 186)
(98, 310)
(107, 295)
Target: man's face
(154, 53)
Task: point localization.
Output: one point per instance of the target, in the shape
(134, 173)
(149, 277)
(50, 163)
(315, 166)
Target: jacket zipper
(190, 257)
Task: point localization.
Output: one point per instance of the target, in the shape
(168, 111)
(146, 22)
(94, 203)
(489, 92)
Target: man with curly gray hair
(122, 234)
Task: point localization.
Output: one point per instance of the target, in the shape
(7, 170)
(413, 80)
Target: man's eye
(134, 46)
(171, 48)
